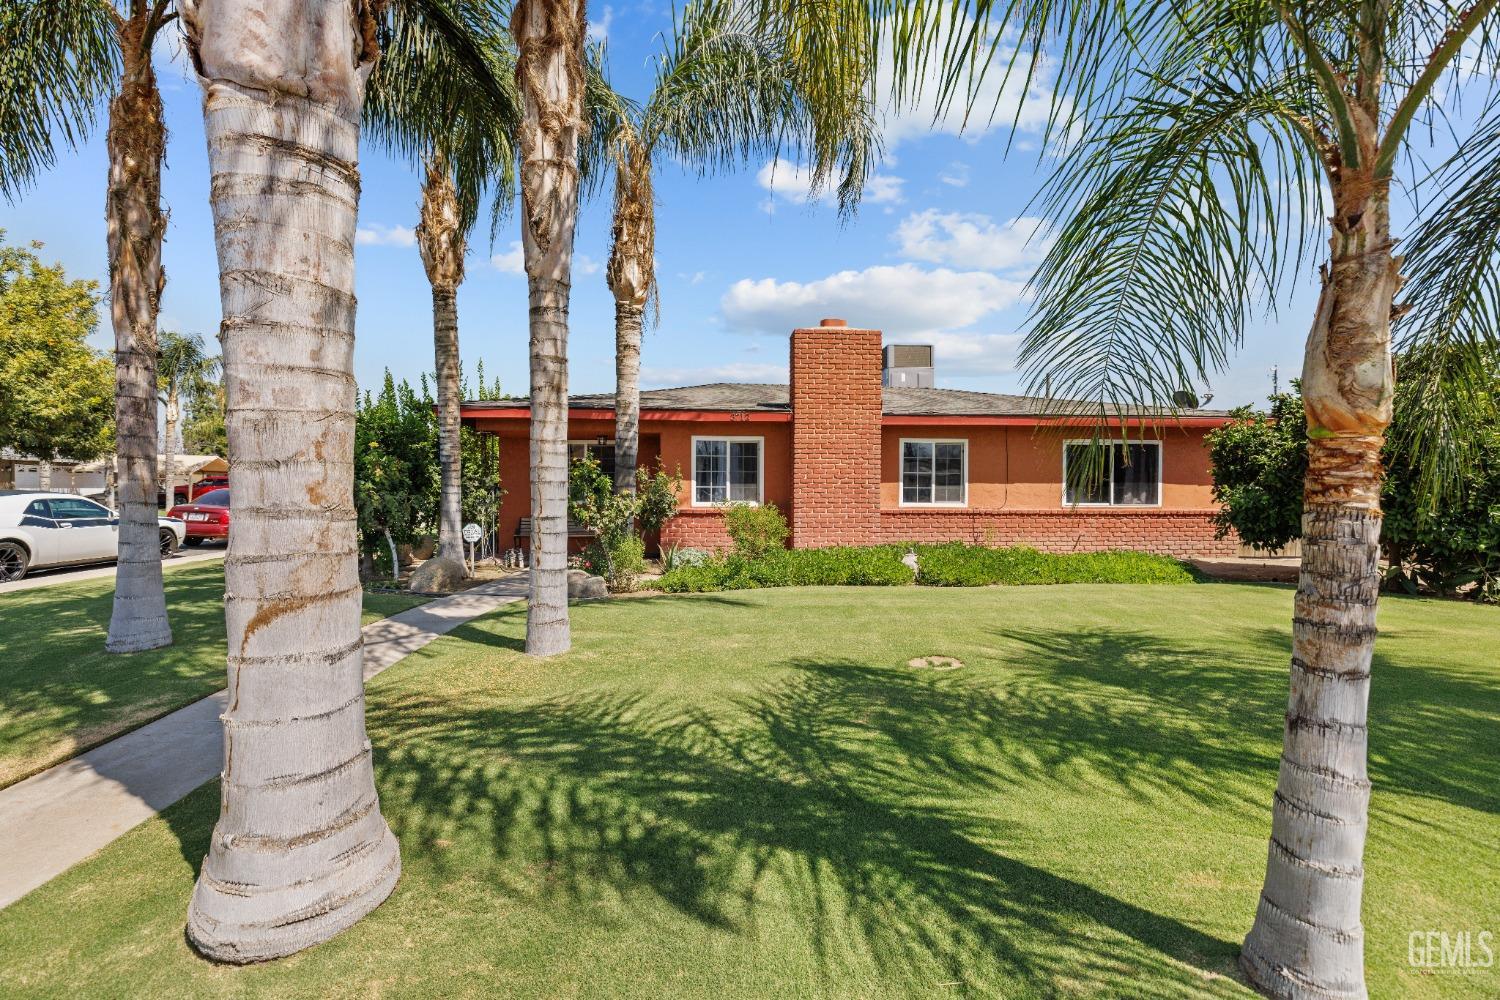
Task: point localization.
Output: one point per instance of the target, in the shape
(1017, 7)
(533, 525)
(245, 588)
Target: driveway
(51, 577)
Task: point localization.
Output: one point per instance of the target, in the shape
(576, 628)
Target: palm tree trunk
(1307, 940)
(301, 850)
(549, 75)
(169, 448)
(441, 240)
(136, 141)
(632, 278)
(627, 393)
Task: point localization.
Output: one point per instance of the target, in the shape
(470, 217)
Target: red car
(206, 519)
(183, 492)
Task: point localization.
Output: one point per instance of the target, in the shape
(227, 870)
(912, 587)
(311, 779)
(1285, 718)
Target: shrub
(956, 564)
(1447, 544)
(1258, 463)
(756, 530)
(656, 494)
(678, 556)
(847, 566)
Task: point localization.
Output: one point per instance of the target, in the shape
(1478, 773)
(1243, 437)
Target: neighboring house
(27, 472)
(856, 454)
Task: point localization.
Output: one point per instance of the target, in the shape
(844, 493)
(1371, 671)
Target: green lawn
(751, 795)
(60, 693)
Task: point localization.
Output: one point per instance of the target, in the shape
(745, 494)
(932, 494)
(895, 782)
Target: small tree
(58, 395)
(1259, 461)
(395, 465)
(658, 492)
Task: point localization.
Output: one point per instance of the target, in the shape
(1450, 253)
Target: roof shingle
(738, 397)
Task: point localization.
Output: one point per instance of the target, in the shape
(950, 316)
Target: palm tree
(725, 92)
(550, 77)
(1198, 140)
(59, 64)
(419, 107)
(182, 366)
(301, 850)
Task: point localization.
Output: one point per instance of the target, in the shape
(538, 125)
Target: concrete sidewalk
(55, 819)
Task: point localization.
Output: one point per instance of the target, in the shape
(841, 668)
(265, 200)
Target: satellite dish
(1185, 399)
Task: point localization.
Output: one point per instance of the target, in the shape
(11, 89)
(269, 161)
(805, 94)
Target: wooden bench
(575, 530)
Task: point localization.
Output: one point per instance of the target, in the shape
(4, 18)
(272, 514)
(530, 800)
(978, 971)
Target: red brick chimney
(835, 392)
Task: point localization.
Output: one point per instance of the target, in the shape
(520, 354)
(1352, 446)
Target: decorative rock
(910, 559)
(438, 576)
(586, 587)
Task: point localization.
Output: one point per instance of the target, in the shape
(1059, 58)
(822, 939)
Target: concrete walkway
(55, 819)
(53, 577)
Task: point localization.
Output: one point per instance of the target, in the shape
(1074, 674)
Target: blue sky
(937, 253)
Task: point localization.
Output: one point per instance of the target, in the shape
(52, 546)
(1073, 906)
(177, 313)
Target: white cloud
(956, 175)
(994, 106)
(513, 261)
(696, 278)
(377, 235)
(903, 300)
(584, 264)
(598, 31)
(793, 182)
(657, 378)
(883, 189)
(966, 239)
(959, 353)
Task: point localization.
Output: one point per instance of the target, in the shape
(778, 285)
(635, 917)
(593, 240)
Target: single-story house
(860, 448)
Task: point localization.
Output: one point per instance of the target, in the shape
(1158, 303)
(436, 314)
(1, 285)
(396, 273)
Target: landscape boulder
(585, 586)
(438, 576)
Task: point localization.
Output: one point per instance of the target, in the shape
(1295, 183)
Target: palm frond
(1177, 214)
(727, 91)
(445, 84)
(1449, 333)
(59, 63)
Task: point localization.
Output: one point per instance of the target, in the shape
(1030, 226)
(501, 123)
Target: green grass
(751, 795)
(61, 694)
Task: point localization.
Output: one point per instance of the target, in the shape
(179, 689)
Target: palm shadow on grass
(840, 789)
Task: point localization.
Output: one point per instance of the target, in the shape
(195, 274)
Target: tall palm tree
(182, 366)
(550, 76)
(725, 91)
(1198, 140)
(463, 140)
(301, 850)
(60, 62)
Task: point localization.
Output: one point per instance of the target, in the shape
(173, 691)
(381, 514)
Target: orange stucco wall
(1014, 486)
(1020, 468)
(671, 441)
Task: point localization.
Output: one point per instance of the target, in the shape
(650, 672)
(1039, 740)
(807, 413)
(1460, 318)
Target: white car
(39, 530)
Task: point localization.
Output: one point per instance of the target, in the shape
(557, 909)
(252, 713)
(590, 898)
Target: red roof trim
(925, 420)
(889, 420)
(523, 413)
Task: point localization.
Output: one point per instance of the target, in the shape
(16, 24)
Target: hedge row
(847, 566)
(958, 565)
(953, 564)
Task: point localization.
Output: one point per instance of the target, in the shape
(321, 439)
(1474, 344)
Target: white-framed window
(728, 470)
(1122, 474)
(934, 473)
